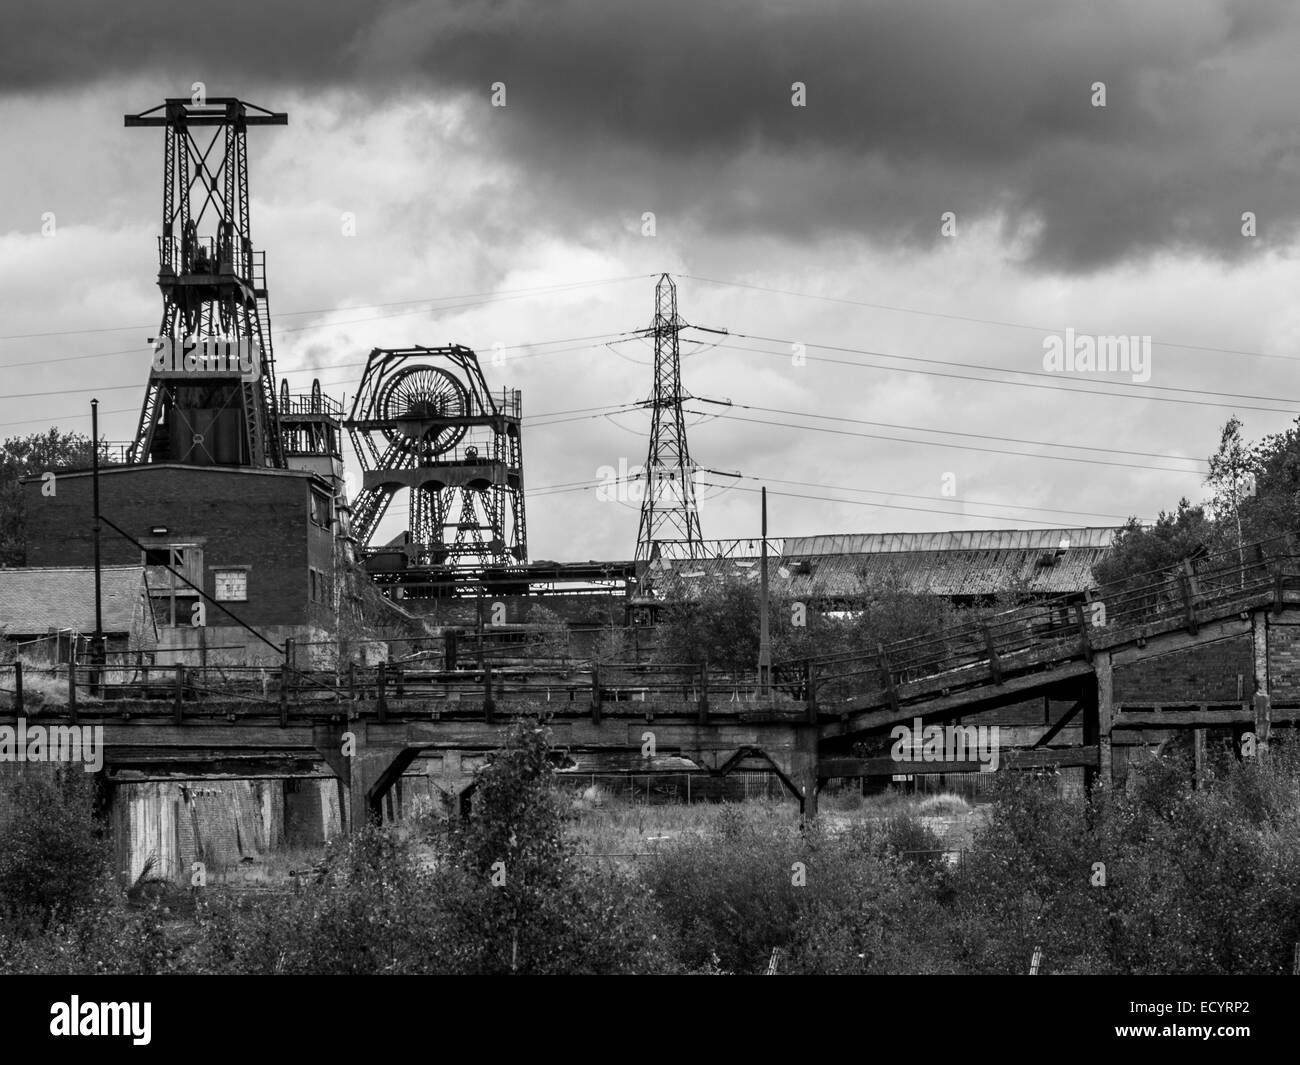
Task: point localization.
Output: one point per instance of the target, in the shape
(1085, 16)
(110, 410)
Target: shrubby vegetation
(61, 911)
(1254, 496)
(30, 456)
(1157, 878)
(720, 624)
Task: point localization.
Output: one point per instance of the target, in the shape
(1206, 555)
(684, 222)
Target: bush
(868, 910)
(727, 894)
(103, 936)
(504, 894)
(52, 858)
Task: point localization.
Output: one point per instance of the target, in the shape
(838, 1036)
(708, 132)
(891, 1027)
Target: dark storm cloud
(683, 108)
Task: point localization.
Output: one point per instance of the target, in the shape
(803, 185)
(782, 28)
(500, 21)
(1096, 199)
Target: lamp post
(764, 639)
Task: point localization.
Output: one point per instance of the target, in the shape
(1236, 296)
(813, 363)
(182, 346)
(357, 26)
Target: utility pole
(764, 638)
(480, 626)
(97, 655)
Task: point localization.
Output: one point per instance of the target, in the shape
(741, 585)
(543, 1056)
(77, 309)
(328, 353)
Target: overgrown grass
(1156, 879)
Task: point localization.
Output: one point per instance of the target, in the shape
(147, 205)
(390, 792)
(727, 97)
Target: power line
(1059, 388)
(86, 414)
(587, 485)
(604, 337)
(482, 297)
(970, 318)
(899, 506)
(906, 495)
(961, 447)
(953, 432)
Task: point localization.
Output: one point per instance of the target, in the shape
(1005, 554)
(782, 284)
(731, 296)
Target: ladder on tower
(264, 432)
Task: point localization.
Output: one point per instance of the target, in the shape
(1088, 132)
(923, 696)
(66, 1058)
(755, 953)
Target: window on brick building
(173, 573)
(321, 591)
(230, 585)
(185, 559)
(320, 508)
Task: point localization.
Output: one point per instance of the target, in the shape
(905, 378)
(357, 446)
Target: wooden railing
(1061, 628)
(978, 651)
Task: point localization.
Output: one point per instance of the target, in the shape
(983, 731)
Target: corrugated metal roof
(39, 599)
(967, 540)
(951, 571)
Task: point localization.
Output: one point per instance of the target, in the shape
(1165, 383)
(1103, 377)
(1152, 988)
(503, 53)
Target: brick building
(261, 542)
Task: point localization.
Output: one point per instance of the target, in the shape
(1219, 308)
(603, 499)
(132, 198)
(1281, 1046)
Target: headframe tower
(199, 408)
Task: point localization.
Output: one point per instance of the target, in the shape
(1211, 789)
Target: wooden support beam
(1091, 727)
(284, 693)
(1052, 732)
(1185, 582)
(72, 682)
(702, 706)
(1158, 644)
(1016, 759)
(1105, 673)
(867, 714)
(387, 778)
(1263, 720)
(995, 666)
(178, 695)
(1085, 641)
(1259, 625)
(1131, 719)
(595, 694)
(887, 674)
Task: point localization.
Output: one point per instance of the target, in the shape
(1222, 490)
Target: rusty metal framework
(424, 423)
(670, 521)
(213, 283)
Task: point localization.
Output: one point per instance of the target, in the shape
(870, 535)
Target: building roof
(949, 564)
(39, 599)
(145, 468)
(966, 540)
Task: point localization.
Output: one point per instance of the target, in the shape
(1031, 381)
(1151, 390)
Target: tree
(550, 634)
(528, 903)
(892, 611)
(1274, 509)
(720, 625)
(1139, 551)
(1232, 473)
(30, 456)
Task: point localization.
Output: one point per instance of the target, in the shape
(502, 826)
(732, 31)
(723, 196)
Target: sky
(894, 210)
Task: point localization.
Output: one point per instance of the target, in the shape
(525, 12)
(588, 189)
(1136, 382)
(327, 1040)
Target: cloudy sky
(888, 259)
